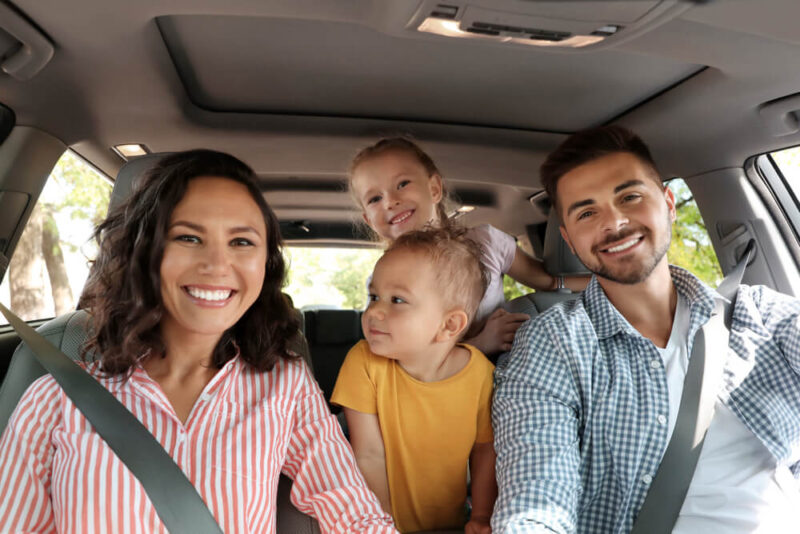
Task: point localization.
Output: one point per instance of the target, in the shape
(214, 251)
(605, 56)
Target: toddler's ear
(454, 323)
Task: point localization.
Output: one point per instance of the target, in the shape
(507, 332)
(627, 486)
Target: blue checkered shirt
(576, 406)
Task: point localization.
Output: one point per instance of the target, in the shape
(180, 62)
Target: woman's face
(396, 193)
(214, 258)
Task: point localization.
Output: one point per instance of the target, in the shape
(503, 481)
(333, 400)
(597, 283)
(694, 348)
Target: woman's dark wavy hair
(123, 293)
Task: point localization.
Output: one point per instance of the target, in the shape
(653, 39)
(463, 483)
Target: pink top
(499, 250)
(57, 474)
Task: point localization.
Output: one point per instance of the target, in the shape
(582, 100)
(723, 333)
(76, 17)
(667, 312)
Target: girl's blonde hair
(401, 144)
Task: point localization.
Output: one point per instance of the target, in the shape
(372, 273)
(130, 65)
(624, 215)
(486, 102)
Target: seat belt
(175, 499)
(664, 500)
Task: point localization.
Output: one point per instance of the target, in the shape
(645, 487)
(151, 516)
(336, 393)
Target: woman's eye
(241, 242)
(186, 238)
(398, 300)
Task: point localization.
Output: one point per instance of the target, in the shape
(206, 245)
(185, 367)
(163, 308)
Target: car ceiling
(296, 87)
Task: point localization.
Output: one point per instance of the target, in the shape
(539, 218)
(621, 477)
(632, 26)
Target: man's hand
(478, 525)
(498, 332)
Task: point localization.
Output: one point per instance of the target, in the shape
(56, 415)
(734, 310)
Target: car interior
(487, 87)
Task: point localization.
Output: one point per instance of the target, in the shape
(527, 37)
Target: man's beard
(638, 273)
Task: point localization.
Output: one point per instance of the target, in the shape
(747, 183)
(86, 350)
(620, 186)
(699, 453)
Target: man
(586, 406)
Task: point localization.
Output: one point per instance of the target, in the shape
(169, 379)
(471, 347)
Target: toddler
(418, 402)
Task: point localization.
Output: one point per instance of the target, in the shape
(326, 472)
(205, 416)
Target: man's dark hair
(123, 293)
(588, 145)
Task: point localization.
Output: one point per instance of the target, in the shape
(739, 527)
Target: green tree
(691, 246)
(74, 192)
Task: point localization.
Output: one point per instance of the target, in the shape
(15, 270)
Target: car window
(788, 162)
(785, 183)
(691, 246)
(51, 261)
(331, 277)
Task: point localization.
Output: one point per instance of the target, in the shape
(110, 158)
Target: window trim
(769, 182)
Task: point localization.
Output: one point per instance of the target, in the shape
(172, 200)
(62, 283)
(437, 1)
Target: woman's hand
(478, 525)
(498, 332)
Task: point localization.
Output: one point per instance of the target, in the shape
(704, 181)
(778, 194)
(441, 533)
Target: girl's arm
(484, 488)
(497, 333)
(527, 270)
(367, 443)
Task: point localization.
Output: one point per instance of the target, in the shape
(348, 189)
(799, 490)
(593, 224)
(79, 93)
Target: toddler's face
(396, 193)
(405, 309)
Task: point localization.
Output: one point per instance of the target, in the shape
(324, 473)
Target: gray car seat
(69, 332)
(558, 261)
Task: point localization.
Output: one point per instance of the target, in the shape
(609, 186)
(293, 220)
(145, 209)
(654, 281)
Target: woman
(190, 332)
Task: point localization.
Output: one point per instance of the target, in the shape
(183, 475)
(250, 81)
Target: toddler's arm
(367, 443)
(484, 488)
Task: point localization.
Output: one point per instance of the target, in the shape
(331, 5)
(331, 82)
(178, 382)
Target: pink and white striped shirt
(57, 474)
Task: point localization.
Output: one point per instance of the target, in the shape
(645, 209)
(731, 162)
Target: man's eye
(398, 300)
(241, 242)
(630, 197)
(403, 183)
(187, 238)
(585, 215)
(373, 200)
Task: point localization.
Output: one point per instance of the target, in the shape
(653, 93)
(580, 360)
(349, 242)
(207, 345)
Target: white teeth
(400, 219)
(216, 295)
(624, 246)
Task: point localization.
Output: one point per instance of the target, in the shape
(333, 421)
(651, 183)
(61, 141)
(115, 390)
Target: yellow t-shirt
(428, 431)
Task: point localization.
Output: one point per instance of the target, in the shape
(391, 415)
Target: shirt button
(655, 364)
(647, 479)
(661, 419)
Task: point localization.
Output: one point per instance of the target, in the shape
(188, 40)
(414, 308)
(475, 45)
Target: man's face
(615, 217)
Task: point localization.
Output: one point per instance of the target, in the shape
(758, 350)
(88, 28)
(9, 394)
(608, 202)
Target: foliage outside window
(51, 261)
(691, 246)
(329, 277)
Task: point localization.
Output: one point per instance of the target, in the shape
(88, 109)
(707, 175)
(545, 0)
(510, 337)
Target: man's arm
(781, 317)
(367, 443)
(484, 488)
(536, 418)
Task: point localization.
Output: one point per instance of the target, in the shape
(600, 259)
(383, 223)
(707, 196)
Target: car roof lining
(129, 90)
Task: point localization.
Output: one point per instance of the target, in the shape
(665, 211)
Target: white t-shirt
(499, 249)
(737, 486)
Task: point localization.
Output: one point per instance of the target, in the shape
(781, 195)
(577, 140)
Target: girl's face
(214, 258)
(396, 193)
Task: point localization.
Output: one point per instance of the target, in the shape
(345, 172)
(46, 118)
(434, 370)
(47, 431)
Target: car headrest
(333, 327)
(128, 174)
(558, 258)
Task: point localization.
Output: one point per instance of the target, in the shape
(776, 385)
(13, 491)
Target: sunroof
(292, 66)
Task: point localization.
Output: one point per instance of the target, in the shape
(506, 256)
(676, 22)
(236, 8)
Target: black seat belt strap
(664, 499)
(175, 499)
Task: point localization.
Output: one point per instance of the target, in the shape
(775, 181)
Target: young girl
(399, 188)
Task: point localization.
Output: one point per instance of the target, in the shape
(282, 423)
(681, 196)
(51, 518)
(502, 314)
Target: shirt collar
(608, 321)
